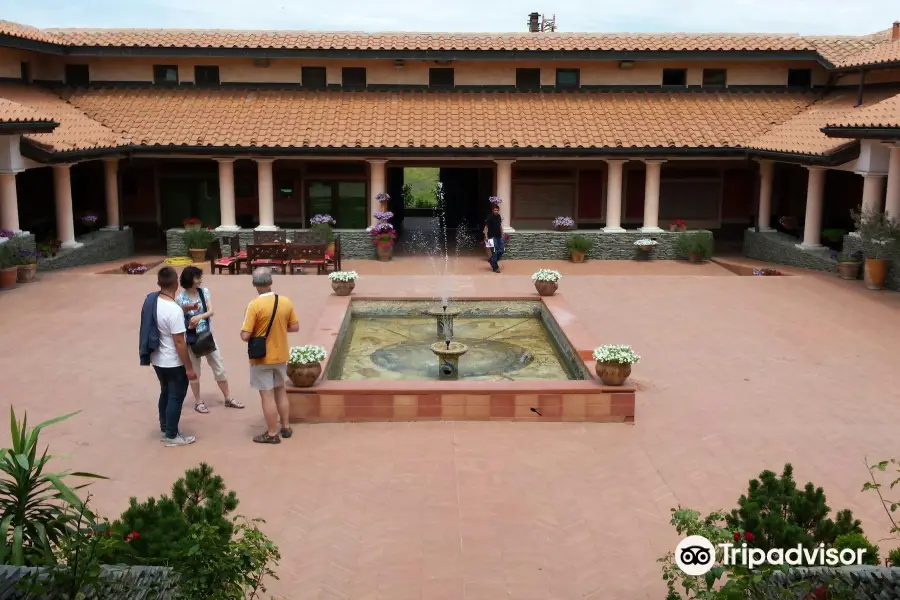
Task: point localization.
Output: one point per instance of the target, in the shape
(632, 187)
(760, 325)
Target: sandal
(200, 407)
(286, 432)
(265, 438)
(232, 403)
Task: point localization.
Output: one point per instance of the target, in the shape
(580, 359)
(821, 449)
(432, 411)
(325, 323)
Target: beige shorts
(268, 377)
(214, 360)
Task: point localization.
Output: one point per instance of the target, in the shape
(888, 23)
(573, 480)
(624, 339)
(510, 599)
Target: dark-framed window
(314, 77)
(674, 77)
(528, 79)
(25, 72)
(165, 74)
(353, 77)
(441, 77)
(715, 77)
(568, 78)
(206, 75)
(78, 75)
(799, 78)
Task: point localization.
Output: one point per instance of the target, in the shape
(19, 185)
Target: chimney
(895, 31)
(534, 22)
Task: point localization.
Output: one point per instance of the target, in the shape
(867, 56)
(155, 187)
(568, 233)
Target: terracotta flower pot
(849, 270)
(192, 226)
(342, 288)
(695, 257)
(8, 278)
(198, 255)
(874, 272)
(546, 288)
(562, 228)
(384, 251)
(304, 376)
(577, 257)
(612, 373)
(26, 273)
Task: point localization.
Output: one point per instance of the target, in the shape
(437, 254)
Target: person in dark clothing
(493, 230)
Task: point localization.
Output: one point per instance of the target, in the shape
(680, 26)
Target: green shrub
(893, 558)
(325, 229)
(198, 239)
(7, 259)
(579, 243)
(850, 257)
(696, 242)
(781, 516)
(854, 541)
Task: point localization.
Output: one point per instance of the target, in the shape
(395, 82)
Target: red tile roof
(13, 112)
(880, 114)
(883, 53)
(27, 32)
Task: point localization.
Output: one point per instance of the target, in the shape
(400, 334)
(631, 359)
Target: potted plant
(877, 231)
(197, 242)
(546, 281)
(383, 237)
(578, 246)
(324, 224)
(89, 220)
(343, 282)
(192, 223)
(835, 236)
(134, 268)
(383, 200)
(848, 264)
(614, 363)
(495, 200)
(677, 225)
(644, 247)
(563, 223)
(9, 270)
(697, 245)
(26, 261)
(305, 365)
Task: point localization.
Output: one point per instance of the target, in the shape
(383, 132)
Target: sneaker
(180, 440)
(496, 269)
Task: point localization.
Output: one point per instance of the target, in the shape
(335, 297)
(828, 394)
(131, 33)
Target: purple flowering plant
(323, 220)
(496, 200)
(384, 216)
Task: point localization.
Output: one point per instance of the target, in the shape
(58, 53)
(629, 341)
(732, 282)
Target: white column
(227, 220)
(266, 194)
(377, 185)
(873, 187)
(111, 179)
(651, 196)
(504, 192)
(892, 199)
(614, 196)
(764, 218)
(9, 203)
(62, 195)
(815, 191)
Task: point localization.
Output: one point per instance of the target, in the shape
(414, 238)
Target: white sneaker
(180, 440)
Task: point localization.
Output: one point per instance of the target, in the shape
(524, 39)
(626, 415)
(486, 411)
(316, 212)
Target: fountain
(444, 317)
(448, 353)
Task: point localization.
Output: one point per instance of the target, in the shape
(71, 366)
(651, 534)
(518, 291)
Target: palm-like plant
(37, 506)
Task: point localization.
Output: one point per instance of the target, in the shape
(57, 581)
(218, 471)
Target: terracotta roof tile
(373, 119)
(76, 131)
(837, 49)
(26, 32)
(802, 134)
(886, 52)
(13, 112)
(882, 114)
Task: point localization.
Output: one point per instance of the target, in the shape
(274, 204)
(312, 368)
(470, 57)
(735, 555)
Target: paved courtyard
(739, 374)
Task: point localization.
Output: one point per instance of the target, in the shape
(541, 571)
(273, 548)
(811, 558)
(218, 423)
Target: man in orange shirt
(268, 320)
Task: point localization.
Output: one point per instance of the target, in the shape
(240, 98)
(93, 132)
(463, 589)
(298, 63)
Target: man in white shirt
(171, 360)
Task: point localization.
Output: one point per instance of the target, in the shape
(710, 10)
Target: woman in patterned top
(199, 321)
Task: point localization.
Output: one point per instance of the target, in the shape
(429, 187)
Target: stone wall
(355, 243)
(892, 280)
(779, 248)
(22, 241)
(119, 583)
(551, 245)
(99, 246)
(856, 583)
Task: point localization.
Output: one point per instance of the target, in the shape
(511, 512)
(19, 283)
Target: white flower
(546, 275)
(307, 355)
(616, 353)
(645, 242)
(343, 276)
(563, 222)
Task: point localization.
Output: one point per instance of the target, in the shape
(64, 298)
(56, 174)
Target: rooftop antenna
(548, 24)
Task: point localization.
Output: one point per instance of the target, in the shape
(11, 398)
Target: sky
(808, 17)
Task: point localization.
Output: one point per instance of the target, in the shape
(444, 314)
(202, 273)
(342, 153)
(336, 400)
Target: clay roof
(27, 32)
(13, 112)
(837, 49)
(802, 134)
(881, 114)
(419, 120)
(76, 130)
(884, 53)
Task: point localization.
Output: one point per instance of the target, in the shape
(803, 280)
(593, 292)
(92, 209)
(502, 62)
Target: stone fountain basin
(453, 349)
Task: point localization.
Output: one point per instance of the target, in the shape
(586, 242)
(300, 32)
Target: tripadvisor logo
(696, 555)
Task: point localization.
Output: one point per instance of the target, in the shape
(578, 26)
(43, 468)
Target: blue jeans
(173, 387)
(497, 253)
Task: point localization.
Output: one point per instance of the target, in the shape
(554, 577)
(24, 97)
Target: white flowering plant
(616, 353)
(306, 355)
(547, 275)
(567, 222)
(343, 276)
(495, 200)
(645, 243)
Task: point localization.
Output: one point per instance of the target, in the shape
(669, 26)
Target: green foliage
(879, 232)
(845, 257)
(325, 229)
(889, 506)
(579, 243)
(200, 497)
(833, 235)
(893, 558)
(198, 239)
(418, 188)
(696, 242)
(7, 259)
(781, 516)
(856, 541)
(214, 568)
(36, 505)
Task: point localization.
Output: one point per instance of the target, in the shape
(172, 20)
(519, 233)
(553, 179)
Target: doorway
(182, 198)
(345, 201)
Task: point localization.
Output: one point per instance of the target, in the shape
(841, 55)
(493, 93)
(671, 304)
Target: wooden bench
(306, 255)
(219, 262)
(266, 255)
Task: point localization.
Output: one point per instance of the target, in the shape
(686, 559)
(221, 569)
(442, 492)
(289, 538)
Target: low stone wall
(779, 248)
(851, 583)
(23, 241)
(551, 245)
(355, 243)
(99, 246)
(853, 243)
(119, 583)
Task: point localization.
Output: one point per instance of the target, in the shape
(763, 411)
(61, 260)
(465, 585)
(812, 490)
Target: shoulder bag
(203, 343)
(256, 346)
